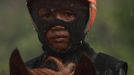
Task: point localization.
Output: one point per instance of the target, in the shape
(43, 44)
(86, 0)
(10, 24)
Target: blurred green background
(112, 33)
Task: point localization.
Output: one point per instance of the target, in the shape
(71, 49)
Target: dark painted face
(60, 23)
(58, 38)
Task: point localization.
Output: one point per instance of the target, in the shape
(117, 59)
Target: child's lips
(58, 37)
(60, 40)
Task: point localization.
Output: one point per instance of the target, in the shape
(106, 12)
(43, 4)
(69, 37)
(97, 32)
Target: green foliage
(112, 32)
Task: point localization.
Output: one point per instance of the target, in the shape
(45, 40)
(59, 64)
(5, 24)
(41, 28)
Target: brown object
(85, 67)
(17, 67)
(63, 69)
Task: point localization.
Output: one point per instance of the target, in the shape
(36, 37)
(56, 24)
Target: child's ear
(17, 66)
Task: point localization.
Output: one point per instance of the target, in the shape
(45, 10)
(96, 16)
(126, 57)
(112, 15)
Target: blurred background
(112, 33)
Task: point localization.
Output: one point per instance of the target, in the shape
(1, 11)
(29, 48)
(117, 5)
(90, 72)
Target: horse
(18, 67)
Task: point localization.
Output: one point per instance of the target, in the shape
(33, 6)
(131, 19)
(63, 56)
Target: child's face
(71, 15)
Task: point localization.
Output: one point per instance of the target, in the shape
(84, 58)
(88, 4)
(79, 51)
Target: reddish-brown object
(17, 66)
(84, 67)
(92, 9)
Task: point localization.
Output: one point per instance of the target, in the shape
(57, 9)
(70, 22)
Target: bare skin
(58, 38)
(63, 69)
